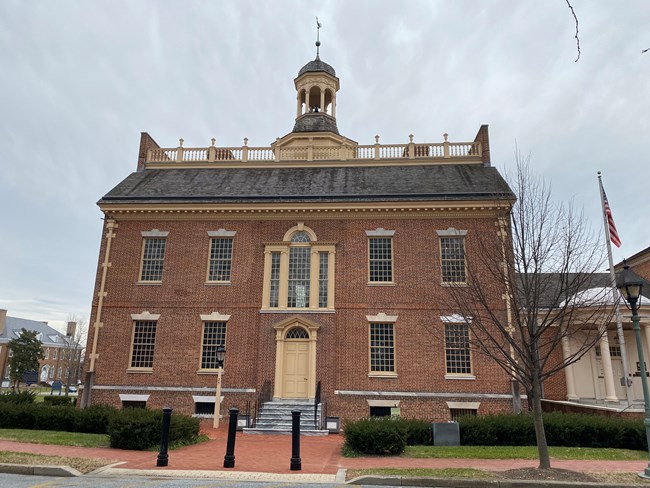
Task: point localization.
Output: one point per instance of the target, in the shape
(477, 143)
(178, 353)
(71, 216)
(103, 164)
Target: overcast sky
(80, 81)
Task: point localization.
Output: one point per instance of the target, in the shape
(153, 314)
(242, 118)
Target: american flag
(613, 233)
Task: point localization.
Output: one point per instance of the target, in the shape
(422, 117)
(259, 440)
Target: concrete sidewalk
(264, 457)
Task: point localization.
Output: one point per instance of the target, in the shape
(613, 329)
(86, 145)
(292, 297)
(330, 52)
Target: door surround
(281, 330)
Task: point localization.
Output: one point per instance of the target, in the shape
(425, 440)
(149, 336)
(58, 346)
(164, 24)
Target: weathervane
(318, 26)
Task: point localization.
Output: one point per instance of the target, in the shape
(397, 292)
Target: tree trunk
(540, 433)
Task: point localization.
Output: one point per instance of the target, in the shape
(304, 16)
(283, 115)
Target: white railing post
(179, 151)
(244, 150)
(376, 147)
(276, 150)
(411, 147)
(212, 151)
(445, 146)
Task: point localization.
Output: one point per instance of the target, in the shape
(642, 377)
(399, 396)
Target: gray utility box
(446, 434)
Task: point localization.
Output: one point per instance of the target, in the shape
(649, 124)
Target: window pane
(214, 334)
(275, 279)
(144, 338)
(299, 273)
(381, 259)
(457, 349)
(382, 347)
(322, 279)
(220, 260)
(452, 252)
(152, 260)
(300, 237)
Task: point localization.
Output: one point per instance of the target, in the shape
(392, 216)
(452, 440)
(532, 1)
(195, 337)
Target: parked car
(71, 388)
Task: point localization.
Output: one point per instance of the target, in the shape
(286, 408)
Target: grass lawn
(435, 473)
(55, 437)
(521, 452)
(85, 465)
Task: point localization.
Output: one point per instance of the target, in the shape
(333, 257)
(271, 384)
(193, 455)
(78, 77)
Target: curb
(39, 470)
(468, 483)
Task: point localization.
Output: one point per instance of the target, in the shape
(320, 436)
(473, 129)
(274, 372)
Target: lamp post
(221, 353)
(630, 285)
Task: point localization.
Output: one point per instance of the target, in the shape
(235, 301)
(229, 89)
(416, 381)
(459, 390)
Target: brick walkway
(272, 454)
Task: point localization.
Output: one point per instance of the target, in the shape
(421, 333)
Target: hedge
(141, 429)
(128, 429)
(67, 401)
(390, 435)
(562, 429)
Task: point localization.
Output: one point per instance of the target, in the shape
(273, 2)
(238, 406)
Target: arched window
(297, 333)
(299, 272)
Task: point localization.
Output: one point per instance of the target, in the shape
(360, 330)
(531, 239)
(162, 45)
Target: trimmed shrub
(67, 401)
(135, 428)
(13, 416)
(94, 419)
(568, 430)
(54, 418)
(375, 435)
(417, 432)
(140, 429)
(23, 397)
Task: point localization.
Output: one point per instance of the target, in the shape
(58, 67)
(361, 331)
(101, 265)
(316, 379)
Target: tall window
(153, 256)
(220, 259)
(457, 353)
(380, 255)
(144, 339)
(298, 272)
(382, 348)
(452, 255)
(214, 335)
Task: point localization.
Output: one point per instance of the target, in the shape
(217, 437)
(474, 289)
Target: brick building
(322, 265)
(62, 355)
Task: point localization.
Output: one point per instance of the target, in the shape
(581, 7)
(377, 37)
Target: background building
(62, 356)
(322, 265)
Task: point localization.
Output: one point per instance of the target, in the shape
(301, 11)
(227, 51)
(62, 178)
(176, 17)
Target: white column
(568, 371)
(322, 100)
(610, 388)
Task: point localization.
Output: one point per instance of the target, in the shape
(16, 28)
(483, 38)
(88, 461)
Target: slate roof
(49, 336)
(550, 287)
(311, 184)
(316, 122)
(317, 65)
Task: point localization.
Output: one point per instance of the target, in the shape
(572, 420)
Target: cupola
(316, 87)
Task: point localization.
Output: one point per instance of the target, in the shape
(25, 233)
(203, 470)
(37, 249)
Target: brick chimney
(72, 328)
(3, 319)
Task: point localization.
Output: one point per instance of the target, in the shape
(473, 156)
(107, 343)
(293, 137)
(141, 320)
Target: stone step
(258, 431)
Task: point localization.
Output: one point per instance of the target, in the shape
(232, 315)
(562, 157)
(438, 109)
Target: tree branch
(576, 36)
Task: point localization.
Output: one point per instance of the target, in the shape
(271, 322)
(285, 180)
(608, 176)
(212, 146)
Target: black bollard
(229, 458)
(296, 462)
(163, 457)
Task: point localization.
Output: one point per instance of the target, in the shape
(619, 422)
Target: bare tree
(71, 357)
(546, 257)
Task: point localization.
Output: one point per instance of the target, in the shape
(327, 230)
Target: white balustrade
(317, 153)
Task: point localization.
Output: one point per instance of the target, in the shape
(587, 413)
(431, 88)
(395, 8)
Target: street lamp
(630, 285)
(221, 354)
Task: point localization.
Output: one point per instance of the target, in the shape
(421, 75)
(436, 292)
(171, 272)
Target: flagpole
(617, 311)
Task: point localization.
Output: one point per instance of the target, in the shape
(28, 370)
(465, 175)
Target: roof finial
(318, 26)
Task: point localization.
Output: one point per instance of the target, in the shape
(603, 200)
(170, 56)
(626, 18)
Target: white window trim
(128, 397)
(458, 319)
(154, 233)
(380, 232)
(222, 233)
(451, 232)
(215, 317)
(455, 319)
(145, 316)
(382, 317)
(383, 403)
(464, 405)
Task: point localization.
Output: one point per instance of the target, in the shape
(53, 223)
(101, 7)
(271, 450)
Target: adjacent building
(62, 355)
